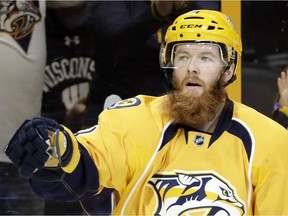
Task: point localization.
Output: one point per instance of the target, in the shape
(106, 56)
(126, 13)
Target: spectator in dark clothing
(70, 64)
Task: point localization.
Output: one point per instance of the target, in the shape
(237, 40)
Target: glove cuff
(71, 157)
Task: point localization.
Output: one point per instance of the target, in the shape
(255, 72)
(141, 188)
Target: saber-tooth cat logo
(195, 193)
(18, 18)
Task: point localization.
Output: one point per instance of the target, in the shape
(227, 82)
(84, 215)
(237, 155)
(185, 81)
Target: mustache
(178, 85)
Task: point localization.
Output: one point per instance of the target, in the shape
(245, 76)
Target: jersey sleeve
(270, 192)
(106, 146)
(84, 181)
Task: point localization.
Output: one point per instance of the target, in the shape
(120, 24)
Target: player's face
(197, 97)
(197, 67)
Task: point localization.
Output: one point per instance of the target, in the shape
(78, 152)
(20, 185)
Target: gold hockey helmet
(202, 26)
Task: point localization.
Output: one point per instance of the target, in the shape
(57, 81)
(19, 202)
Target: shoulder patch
(130, 102)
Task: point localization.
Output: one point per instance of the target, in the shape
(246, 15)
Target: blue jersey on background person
(70, 63)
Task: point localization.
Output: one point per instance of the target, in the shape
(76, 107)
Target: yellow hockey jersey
(158, 167)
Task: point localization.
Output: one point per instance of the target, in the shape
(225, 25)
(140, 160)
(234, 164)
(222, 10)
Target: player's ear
(228, 73)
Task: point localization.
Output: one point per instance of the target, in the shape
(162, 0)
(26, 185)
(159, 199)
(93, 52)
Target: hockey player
(192, 151)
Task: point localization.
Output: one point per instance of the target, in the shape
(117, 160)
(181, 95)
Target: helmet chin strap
(168, 77)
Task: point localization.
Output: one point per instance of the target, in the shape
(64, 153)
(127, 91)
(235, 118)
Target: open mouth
(192, 84)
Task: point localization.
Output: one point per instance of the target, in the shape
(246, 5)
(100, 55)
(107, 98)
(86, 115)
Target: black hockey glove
(39, 143)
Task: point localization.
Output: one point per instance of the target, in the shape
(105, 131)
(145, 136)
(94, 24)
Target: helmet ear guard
(233, 78)
(202, 26)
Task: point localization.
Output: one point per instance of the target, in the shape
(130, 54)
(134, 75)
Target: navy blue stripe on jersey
(86, 131)
(169, 134)
(224, 121)
(239, 130)
(223, 125)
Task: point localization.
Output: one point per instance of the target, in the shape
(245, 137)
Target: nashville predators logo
(18, 17)
(125, 103)
(195, 194)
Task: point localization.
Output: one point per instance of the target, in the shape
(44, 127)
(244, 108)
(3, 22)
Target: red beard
(191, 110)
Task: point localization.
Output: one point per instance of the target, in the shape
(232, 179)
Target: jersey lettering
(73, 93)
(68, 69)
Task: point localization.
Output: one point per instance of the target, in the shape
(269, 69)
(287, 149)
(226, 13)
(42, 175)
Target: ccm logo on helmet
(190, 26)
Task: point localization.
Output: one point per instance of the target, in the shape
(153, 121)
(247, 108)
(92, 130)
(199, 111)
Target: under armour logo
(73, 40)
